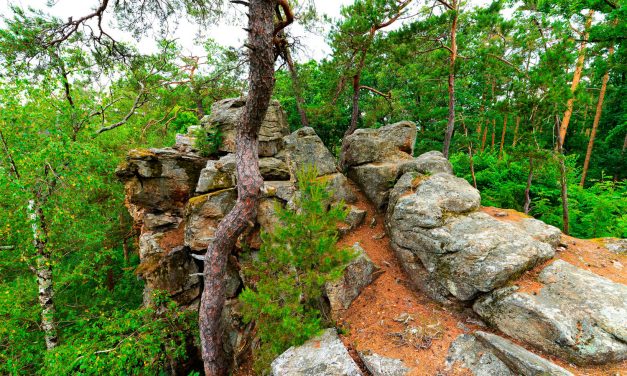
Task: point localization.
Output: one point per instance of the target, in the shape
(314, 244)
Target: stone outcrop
(577, 315)
(322, 355)
(434, 225)
(374, 158)
(225, 116)
(486, 354)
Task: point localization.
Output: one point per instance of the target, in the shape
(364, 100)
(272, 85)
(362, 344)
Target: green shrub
(295, 261)
(208, 140)
(144, 341)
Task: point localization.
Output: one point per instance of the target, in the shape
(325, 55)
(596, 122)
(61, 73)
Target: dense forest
(525, 98)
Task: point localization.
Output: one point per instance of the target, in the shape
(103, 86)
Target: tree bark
(450, 126)
(483, 139)
(249, 182)
(43, 270)
(527, 205)
(595, 123)
(576, 78)
(503, 136)
(516, 131)
(493, 132)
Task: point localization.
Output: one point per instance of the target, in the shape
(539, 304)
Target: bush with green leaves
(295, 261)
(145, 341)
(208, 140)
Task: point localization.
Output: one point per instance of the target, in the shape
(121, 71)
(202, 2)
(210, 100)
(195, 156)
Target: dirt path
(391, 319)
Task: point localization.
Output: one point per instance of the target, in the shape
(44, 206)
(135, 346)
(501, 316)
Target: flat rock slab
(486, 354)
(324, 355)
(578, 316)
(379, 365)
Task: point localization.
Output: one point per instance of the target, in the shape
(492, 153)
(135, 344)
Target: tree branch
(9, 156)
(387, 96)
(139, 101)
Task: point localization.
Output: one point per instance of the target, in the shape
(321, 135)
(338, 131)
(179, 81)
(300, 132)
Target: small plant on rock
(208, 140)
(296, 259)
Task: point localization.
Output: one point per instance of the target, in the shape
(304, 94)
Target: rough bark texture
(44, 275)
(576, 78)
(450, 126)
(595, 123)
(249, 182)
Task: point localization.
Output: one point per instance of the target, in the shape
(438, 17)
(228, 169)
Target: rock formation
(448, 246)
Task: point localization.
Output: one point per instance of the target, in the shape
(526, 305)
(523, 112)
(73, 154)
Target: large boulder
(374, 158)
(226, 114)
(486, 354)
(434, 219)
(322, 355)
(577, 315)
(388, 143)
(217, 174)
(303, 148)
(357, 275)
(429, 163)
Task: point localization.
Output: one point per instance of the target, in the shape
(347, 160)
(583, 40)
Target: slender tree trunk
(503, 136)
(576, 78)
(470, 156)
(564, 193)
(249, 182)
(296, 86)
(44, 275)
(595, 123)
(483, 139)
(493, 132)
(450, 126)
(516, 131)
(527, 206)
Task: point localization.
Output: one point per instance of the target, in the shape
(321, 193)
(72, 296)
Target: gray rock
(577, 316)
(340, 188)
(540, 231)
(174, 273)
(385, 144)
(266, 213)
(226, 114)
(283, 190)
(519, 360)
(469, 353)
(154, 221)
(323, 355)
(616, 245)
(303, 148)
(466, 252)
(375, 180)
(358, 274)
(203, 214)
(379, 365)
(429, 163)
(185, 143)
(355, 217)
(160, 180)
(217, 175)
(273, 169)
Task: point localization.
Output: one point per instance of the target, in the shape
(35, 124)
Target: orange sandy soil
(369, 323)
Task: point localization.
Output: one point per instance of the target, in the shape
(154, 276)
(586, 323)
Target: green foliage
(595, 211)
(208, 140)
(144, 341)
(295, 261)
(184, 120)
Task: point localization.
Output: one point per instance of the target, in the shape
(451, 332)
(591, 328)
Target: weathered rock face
(577, 315)
(374, 158)
(433, 220)
(323, 355)
(486, 354)
(379, 365)
(225, 116)
(358, 274)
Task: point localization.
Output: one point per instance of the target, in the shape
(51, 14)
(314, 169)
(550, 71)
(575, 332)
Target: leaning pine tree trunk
(595, 123)
(249, 183)
(44, 275)
(450, 125)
